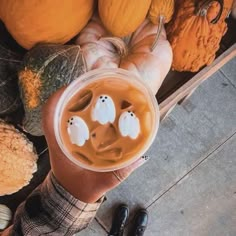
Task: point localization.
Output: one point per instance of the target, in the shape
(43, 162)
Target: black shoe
(140, 223)
(119, 219)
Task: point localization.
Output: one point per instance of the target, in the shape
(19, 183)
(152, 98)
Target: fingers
(122, 174)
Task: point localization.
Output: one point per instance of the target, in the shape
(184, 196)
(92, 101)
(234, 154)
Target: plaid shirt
(51, 210)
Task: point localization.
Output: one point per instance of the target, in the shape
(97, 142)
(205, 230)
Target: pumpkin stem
(127, 39)
(119, 44)
(159, 29)
(203, 8)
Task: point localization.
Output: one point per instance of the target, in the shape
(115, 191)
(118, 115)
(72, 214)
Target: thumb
(123, 173)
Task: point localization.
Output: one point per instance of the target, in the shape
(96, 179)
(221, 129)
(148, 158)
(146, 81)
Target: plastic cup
(98, 75)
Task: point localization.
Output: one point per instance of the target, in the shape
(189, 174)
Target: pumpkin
(149, 63)
(5, 216)
(46, 68)
(122, 17)
(161, 9)
(160, 12)
(18, 159)
(9, 92)
(196, 31)
(101, 51)
(98, 52)
(50, 21)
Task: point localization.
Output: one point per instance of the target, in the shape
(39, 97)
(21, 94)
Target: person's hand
(88, 186)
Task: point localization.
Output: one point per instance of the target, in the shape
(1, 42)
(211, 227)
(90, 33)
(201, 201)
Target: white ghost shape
(78, 130)
(129, 125)
(104, 110)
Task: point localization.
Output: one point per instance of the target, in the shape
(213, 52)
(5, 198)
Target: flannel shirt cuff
(51, 210)
(68, 210)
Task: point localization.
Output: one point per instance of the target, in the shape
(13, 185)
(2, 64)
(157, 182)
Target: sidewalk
(189, 185)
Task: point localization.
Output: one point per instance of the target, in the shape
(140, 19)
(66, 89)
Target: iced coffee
(108, 121)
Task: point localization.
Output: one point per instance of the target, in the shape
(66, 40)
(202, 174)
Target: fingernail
(142, 160)
(145, 158)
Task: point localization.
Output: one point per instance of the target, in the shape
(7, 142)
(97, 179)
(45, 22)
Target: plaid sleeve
(51, 210)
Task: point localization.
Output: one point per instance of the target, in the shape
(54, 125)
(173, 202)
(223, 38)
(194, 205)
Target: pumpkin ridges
(118, 15)
(160, 12)
(158, 8)
(151, 66)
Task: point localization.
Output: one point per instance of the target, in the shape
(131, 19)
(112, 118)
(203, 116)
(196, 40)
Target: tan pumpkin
(196, 31)
(150, 63)
(122, 17)
(51, 21)
(98, 52)
(101, 51)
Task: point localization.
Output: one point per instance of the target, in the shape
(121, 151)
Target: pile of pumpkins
(147, 37)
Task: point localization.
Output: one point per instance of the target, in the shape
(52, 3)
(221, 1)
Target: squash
(122, 17)
(148, 61)
(50, 21)
(196, 31)
(101, 51)
(9, 92)
(97, 51)
(5, 216)
(161, 9)
(46, 68)
(18, 159)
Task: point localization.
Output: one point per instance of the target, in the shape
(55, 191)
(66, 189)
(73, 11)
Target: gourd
(161, 12)
(5, 216)
(17, 159)
(196, 31)
(46, 68)
(50, 21)
(9, 92)
(122, 17)
(101, 51)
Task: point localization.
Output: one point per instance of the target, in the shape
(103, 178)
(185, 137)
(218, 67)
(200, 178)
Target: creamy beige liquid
(106, 146)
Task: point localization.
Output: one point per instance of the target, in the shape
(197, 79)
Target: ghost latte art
(107, 122)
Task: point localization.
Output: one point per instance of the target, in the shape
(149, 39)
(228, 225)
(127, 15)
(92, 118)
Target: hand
(87, 186)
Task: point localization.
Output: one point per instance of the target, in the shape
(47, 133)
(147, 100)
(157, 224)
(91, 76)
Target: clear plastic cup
(98, 75)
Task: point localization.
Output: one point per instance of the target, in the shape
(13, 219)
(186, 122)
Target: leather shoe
(140, 223)
(119, 220)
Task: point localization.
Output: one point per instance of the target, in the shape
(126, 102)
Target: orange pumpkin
(196, 31)
(122, 17)
(160, 12)
(49, 21)
(161, 9)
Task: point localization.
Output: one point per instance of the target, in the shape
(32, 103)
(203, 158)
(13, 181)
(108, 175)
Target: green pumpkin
(46, 68)
(9, 92)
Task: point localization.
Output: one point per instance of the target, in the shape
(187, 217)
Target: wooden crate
(179, 85)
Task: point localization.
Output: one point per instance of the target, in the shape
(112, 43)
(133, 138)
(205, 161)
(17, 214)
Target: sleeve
(51, 210)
